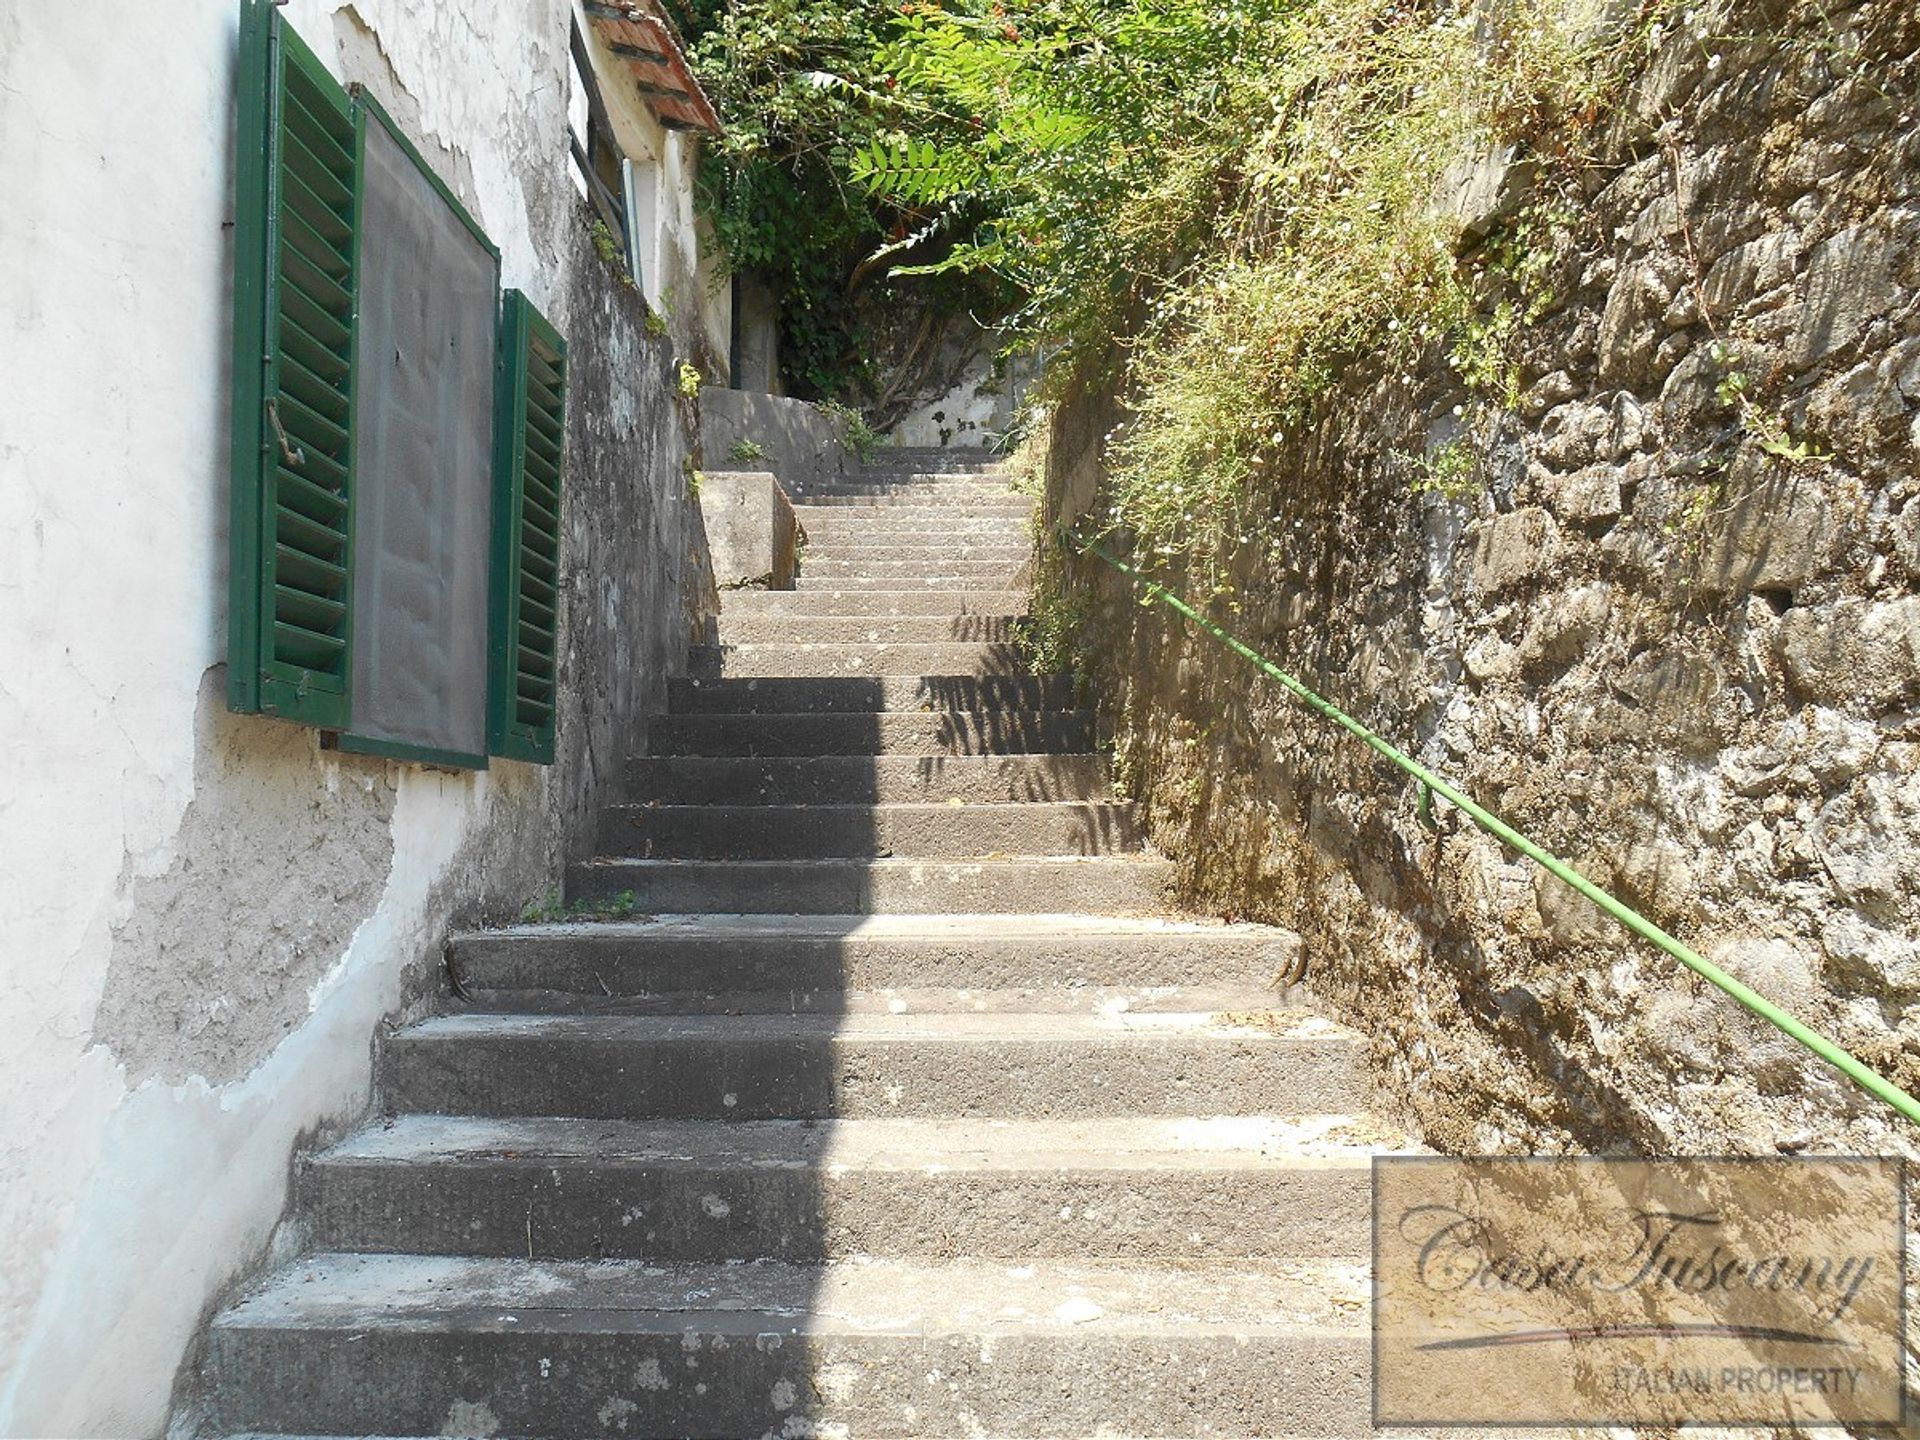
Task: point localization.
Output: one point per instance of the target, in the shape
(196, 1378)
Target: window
(392, 413)
(600, 168)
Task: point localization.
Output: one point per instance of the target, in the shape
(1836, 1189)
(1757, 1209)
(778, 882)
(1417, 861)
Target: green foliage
(861, 439)
(1049, 635)
(1450, 470)
(1769, 430)
(604, 245)
(1072, 150)
(690, 380)
(548, 907)
(801, 85)
(1246, 195)
(747, 450)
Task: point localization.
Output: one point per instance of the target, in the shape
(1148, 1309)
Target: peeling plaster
(280, 857)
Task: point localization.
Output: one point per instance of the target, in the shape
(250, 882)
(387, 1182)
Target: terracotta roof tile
(644, 41)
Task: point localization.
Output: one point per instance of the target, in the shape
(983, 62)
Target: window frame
(268, 46)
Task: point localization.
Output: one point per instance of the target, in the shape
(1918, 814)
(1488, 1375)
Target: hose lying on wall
(1432, 784)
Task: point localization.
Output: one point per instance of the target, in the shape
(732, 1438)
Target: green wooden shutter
(530, 424)
(289, 615)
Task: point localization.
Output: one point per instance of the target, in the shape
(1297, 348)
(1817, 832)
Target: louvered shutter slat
(530, 412)
(290, 616)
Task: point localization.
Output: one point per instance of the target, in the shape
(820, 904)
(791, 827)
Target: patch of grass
(744, 450)
(548, 907)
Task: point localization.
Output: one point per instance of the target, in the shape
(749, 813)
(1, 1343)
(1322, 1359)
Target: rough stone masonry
(1672, 634)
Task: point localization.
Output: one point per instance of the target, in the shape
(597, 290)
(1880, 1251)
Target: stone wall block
(1573, 435)
(1587, 495)
(1629, 328)
(1776, 536)
(1563, 630)
(1854, 654)
(1753, 269)
(1514, 548)
(1849, 283)
(1786, 972)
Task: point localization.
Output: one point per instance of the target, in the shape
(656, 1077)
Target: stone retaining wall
(1679, 658)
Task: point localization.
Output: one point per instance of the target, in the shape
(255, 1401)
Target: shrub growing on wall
(1242, 195)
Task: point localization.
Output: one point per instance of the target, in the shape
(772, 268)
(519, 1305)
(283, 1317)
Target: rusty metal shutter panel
(530, 415)
(290, 537)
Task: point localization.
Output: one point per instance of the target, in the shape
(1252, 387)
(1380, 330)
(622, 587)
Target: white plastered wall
(677, 274)
(130, 1196)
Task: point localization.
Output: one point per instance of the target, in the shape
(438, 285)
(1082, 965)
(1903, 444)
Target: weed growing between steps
(549, 908)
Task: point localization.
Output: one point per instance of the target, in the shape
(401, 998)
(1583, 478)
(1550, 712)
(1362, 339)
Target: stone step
(932, 470)
(910, 732)
(798, 955)
(826, 526)
(1009, 549)
(972, 458)
(952, 485)
(358, 1344)
(699, 1190)
(989, 574)
(758, 604)
(868, 694)
(845, 779)
(953, 657)
(967, 459)
(990, 1064)
(870, 629)
(982, 503)
(1099, 885)
(1136, 1000)
(1009, 519)
(930, 832)
(855, 583)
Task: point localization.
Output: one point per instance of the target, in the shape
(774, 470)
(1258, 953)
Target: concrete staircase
(902, 1113)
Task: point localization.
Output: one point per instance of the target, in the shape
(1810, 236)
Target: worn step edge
(358, 1343)
(950, 566)
(848, 657)
(1104, 884)
(792, 1190)
(913, 1300)
(867, 694)
(804, 779)
(902, 603)
(763, 832)
(790, 628)
(1242, 998)
(850, 952)
(997, 1064)
(956, 547)
(908, 732)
